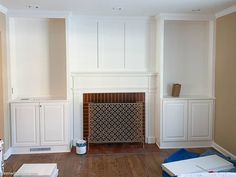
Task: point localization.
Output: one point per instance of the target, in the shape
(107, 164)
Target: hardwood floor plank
(102, 161)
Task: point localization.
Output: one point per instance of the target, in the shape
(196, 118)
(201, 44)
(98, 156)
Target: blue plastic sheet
(183, 154)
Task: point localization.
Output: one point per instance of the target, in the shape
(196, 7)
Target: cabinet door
(200, 119)
(25, 124)
(53, 124)
(174, 120)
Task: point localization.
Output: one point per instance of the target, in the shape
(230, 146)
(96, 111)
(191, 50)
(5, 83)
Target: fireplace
(121, 102)
(118, 87)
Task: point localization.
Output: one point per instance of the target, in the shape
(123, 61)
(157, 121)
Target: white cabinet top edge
(113, 74)
(189, 97)
(38, 100)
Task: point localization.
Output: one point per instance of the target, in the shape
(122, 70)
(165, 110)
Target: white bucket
(81, 147)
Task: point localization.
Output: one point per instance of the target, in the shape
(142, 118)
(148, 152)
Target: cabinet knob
(40, 105)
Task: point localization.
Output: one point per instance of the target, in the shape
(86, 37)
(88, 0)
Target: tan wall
(2, 32)
(225, 125)
(4, 110)
(1, 94)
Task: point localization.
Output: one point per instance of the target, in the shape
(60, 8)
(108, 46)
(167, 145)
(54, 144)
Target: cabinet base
(40, 149)
(188, 144)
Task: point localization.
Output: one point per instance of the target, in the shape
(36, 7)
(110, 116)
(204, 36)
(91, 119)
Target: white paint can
(81, 147)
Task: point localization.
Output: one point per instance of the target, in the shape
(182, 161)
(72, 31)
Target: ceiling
(129, 7)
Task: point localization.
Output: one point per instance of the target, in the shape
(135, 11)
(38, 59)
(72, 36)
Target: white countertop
(38, 99)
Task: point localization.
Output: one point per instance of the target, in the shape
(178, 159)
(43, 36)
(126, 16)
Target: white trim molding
(3, 9)
(7, 154)
(112, 74)
(184, 16)
(39, 14)
(227, 11)
(223, 151)
(53, 149)
(184, 144)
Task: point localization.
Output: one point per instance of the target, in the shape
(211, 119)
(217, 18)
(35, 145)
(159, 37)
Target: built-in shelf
(38, 57)
(187, 57)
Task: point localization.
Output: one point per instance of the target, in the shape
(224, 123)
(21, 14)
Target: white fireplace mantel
(110, 82)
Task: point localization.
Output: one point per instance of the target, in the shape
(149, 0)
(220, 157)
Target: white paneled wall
(110, 44)
(137, 45)
(83, 44)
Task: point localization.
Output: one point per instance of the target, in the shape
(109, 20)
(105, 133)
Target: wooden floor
(101, 161)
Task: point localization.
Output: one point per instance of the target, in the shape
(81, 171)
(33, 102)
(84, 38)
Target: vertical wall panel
(136, 53)
(111, 45)
(83, 45)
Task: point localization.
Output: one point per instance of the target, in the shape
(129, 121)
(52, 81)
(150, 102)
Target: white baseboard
(151, 140)
(184, 144)
(7, 154)
(53, 149)
(223, 151)
(25, 150)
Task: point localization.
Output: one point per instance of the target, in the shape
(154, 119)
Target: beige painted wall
(1, 94)
(4, 110)
(2, 33)
(225, 125)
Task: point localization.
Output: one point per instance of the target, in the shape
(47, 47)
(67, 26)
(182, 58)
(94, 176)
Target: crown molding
(38, 14)
(185, 16)
(227, 11)
(117, 18)
(3, 9)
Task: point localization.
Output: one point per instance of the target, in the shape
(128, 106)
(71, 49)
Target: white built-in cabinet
(187, 120)
(39, 124)
(53, 124)
(38, 65)
(175, 120)
(186, 55)
(25, 124)
(200, 119)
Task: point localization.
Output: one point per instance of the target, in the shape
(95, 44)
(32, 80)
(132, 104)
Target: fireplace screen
(115, 122)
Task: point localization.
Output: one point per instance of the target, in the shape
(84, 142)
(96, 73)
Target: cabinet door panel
(25, 124)
(174, 120)
(52, 124)
(200, 120)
